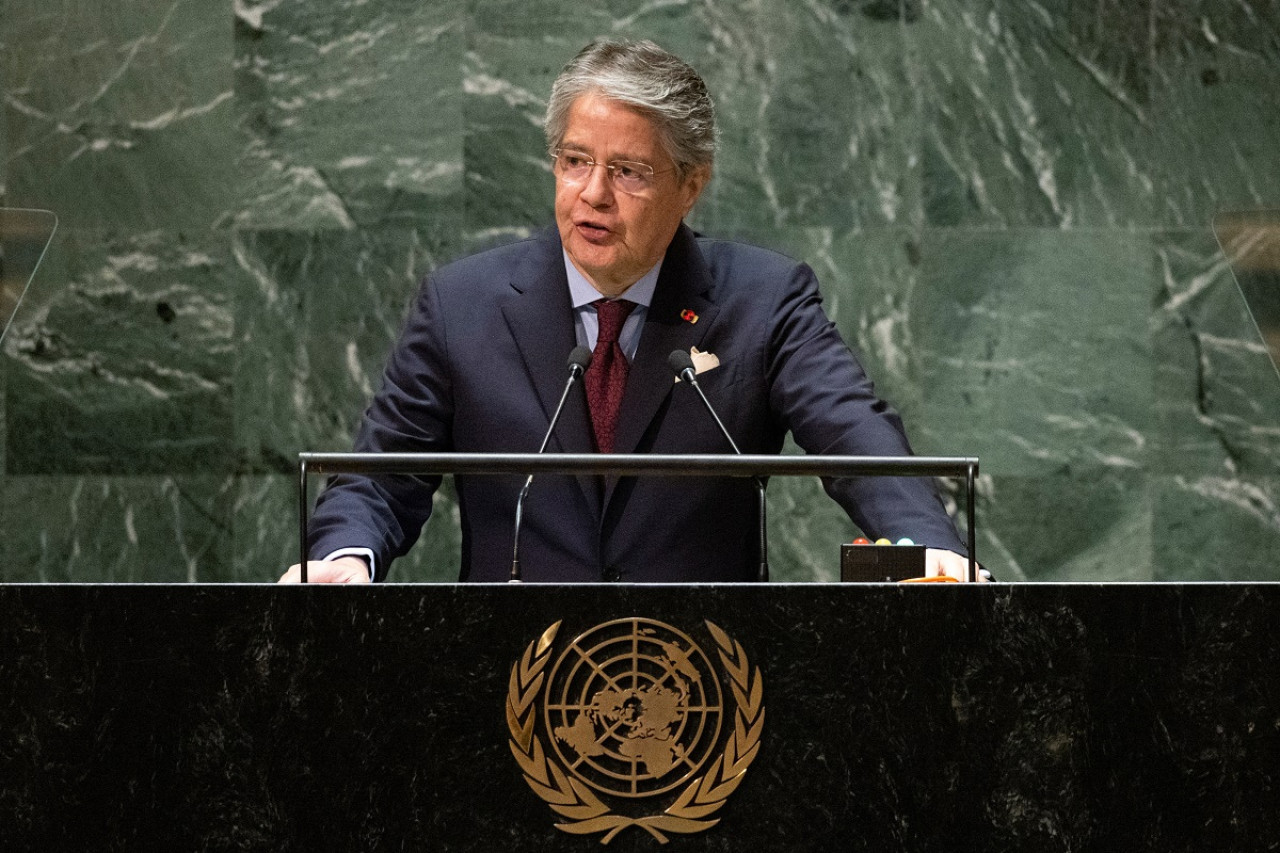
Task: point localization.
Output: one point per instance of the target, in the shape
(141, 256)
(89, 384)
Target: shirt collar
(583, 293)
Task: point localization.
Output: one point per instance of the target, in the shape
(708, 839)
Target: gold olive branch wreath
(572, 799)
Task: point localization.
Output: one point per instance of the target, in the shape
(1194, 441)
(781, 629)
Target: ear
(693, 185)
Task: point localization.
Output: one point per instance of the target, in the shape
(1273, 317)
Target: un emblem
(634, 710)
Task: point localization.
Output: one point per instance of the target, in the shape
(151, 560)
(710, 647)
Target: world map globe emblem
(634, 707)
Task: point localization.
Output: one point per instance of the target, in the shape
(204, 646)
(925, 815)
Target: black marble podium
(925, 717)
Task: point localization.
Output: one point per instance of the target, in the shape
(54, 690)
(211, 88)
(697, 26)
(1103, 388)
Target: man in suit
(481, 364)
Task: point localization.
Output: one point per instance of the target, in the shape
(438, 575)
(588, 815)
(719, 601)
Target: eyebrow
(631, 158)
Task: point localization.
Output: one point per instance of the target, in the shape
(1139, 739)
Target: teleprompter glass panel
(24, 237)
(1251, 242)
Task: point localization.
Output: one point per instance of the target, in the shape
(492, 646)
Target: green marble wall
(1008, 204)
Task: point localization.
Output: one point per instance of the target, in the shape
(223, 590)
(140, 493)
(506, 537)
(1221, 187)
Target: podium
(891, 717)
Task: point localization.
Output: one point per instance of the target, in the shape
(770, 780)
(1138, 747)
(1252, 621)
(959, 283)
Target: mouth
(593, 232)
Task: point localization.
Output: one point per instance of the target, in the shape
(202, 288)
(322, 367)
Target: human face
(611, 237)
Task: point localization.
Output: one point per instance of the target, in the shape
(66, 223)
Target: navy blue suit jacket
(481, 365)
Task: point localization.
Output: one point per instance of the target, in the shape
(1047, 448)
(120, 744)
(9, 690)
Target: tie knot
(611, 313)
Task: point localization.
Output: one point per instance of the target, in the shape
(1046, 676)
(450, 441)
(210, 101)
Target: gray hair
(649, 79)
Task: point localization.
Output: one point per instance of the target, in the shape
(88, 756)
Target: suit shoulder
(491, 265)
(719, 250)
(734, 260)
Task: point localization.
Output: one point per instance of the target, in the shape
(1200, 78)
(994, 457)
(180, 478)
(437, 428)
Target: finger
(292, 575)
(939, 563)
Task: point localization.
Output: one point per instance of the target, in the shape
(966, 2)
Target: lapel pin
(688, 316)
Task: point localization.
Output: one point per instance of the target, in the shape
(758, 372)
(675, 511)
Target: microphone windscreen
(580, 357)
(680, 361)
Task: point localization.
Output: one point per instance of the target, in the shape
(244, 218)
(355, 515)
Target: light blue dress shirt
(587, 324)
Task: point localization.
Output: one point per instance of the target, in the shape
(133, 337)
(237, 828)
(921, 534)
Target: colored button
(883, 541)
(905, 541)
(862, 540)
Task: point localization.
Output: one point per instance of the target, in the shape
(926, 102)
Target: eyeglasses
(629, 177)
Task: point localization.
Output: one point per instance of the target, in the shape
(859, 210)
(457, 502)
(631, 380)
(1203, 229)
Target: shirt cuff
(364, 553)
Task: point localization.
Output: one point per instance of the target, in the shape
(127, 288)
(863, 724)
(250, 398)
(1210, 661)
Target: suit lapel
(540, 317)
(684, 285)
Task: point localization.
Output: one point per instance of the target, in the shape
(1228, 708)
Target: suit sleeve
(821, 393)
(411, 413)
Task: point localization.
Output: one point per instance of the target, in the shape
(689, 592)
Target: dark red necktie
(607, 374)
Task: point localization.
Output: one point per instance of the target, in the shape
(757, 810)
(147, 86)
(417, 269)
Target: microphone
(579, 358)
(681, 364)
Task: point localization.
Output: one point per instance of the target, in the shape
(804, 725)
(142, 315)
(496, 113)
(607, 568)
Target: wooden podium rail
(670, 465)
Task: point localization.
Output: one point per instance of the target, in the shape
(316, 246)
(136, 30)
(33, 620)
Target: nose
(598, 190)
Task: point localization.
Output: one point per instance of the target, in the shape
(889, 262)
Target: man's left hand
(938, 562)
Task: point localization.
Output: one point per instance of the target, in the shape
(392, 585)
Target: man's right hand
(341, 570)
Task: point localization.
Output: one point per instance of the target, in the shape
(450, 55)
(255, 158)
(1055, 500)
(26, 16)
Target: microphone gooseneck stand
(579, 358)
(681, 364)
